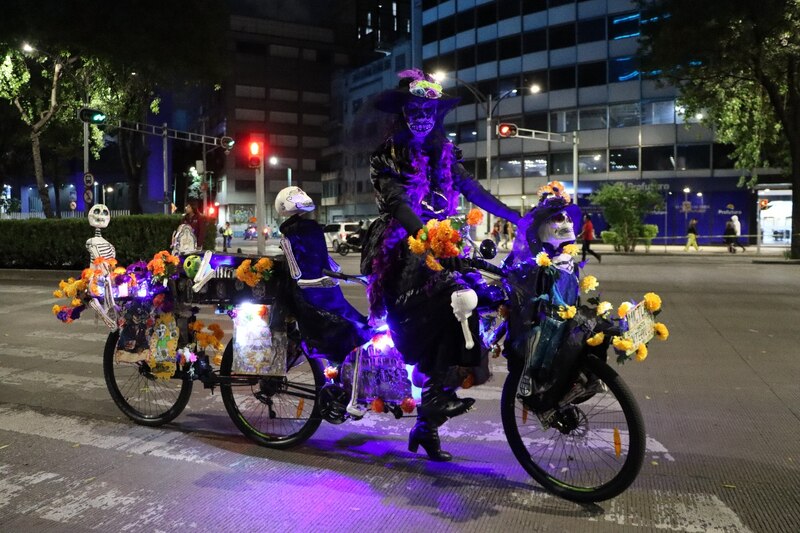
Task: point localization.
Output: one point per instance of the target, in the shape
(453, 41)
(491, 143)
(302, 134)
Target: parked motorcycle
(352, 243)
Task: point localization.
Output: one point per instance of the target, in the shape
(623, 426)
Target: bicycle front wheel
(141, 396)
(274, 411)
(586, 451)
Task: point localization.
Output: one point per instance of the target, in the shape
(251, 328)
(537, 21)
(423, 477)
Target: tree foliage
(121, 56)
(624, 208)
(738, 62)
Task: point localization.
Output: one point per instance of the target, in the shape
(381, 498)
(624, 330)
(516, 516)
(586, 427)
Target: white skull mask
(420, 117)
(557, 230)
(99, 216)
(293, 200)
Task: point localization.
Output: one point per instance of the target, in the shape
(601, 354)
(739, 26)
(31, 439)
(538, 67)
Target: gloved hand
(453, 264)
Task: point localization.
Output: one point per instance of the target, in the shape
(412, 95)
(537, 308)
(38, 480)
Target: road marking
(6, 309)
(138, 440)
(8, 350)
(47, 380)
(24, 289)
(77, 335)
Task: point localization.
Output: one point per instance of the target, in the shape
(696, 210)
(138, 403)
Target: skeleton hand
(463, 303)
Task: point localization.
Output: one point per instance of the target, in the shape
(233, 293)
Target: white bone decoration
(99, 217)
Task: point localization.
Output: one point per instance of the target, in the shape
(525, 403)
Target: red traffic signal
(506, 129)
(255, 155)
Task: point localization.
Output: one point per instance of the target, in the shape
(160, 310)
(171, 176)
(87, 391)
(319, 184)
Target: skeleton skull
(293, 200)
(420, 117)
(557, 230)
(99, 216)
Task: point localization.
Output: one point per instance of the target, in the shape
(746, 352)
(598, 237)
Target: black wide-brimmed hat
(414, 85)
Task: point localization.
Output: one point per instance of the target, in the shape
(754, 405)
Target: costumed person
(540, 254)
(417, 175)
(325, 318)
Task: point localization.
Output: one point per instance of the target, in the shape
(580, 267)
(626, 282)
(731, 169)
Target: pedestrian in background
(496, 232)
(691, 236)
(737, 227)
(504, 244)
(587, 234)
(227, 237)
(730, 236)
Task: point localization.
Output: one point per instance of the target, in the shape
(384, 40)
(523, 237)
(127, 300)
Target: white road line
(69, 335)
(26, 306)
(48, 380)
(28, 352)
(105, 435)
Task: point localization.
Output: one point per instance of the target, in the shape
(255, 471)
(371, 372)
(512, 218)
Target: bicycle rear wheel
(274, 411)
(586, 452)
(141, 396)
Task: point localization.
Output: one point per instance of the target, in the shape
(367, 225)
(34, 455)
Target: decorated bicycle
(300, 354)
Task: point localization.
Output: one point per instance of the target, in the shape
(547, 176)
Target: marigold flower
(56, 308)
(571, 249)
(652, 302)
(641, 352)
(603, 308)
(58, 294)
(596, 339)
(543, 260)
(622, 344)
(474, 217)
(589, 283)
(566, 312)
(432, 263)
(623, 309)
(75, 302)
(265, 263)
(661, 331)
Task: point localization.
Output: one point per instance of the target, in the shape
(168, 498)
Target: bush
(61, 243)
(649, 232)
(611, 237)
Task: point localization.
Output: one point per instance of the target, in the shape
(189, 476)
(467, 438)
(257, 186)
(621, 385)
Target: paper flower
(604, 308)
(378, 405)
(543, 260)
(566, 312)
(652, 302)
(433, 264)
(440, 239)
(251, 274)
(622, 344)
(623, 309)
(596, 339)
(56, 308)
(641, 352)
(589, 283)
(408, 405)
(571, 249)
(661, 331)
(474, 217)
(331, 372)
(163, 265)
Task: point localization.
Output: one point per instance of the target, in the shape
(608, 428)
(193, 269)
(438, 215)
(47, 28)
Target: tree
(737, 61)
(624, 208)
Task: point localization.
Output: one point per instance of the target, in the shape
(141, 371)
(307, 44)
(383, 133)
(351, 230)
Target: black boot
(437, 401)
(426, 433)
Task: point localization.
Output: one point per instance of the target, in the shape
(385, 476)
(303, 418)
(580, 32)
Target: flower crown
(551, 191)
(422, 85)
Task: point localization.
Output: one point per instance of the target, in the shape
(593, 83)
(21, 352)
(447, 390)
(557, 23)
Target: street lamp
(273, 161)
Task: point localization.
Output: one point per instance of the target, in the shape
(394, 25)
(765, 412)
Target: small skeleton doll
(99, 217)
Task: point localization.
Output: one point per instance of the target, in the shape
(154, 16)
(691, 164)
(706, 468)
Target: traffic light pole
(261, 221)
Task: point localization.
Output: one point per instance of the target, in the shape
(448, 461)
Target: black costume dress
(411, 189)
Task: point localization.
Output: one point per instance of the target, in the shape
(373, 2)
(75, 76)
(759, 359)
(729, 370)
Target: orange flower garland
(251, 273)
(163, 265)
(440, 239)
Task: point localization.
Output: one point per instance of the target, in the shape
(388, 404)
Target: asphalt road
(721, 402)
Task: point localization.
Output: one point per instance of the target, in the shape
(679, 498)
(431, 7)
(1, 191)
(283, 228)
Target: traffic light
(256, 156)
(506, 129)
(92, 116)
(763, 204)
(226, 143)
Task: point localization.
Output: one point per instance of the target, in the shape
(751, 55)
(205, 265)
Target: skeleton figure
(99, 217)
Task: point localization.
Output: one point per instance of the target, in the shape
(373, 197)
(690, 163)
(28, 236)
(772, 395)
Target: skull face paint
(99, 216)
(557, 230)
(420, 117)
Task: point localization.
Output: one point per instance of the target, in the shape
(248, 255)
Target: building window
(591, 74)
(465, 57)
(693, 156)
(534, 41)
(285, 95)
(486, 14)
(314, 120)
(562, 78)
(623, 26)
(722, 155)
(623, 115)
(250, 91)
(256, 49)
(536, 165)
(283, 140)
(510, 47)
(467, 132)
(465, 20)
(593, 118)
(536, 78)
(486, 52)
(622, 69)
(622, 159)
(592, 162)
(535, 121)
(507, 9)
(447, 27)
(562, 121)
(562, 36)
(660, 112)
(315, 142)
(315, 97)
(429, 33)
(244, 185)
(249, 114)
(561, 163)
(658, 157)
(509, 168)
(533, 6)
(309, 164)
(591, 30)
(283, 117)
(290, 52)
